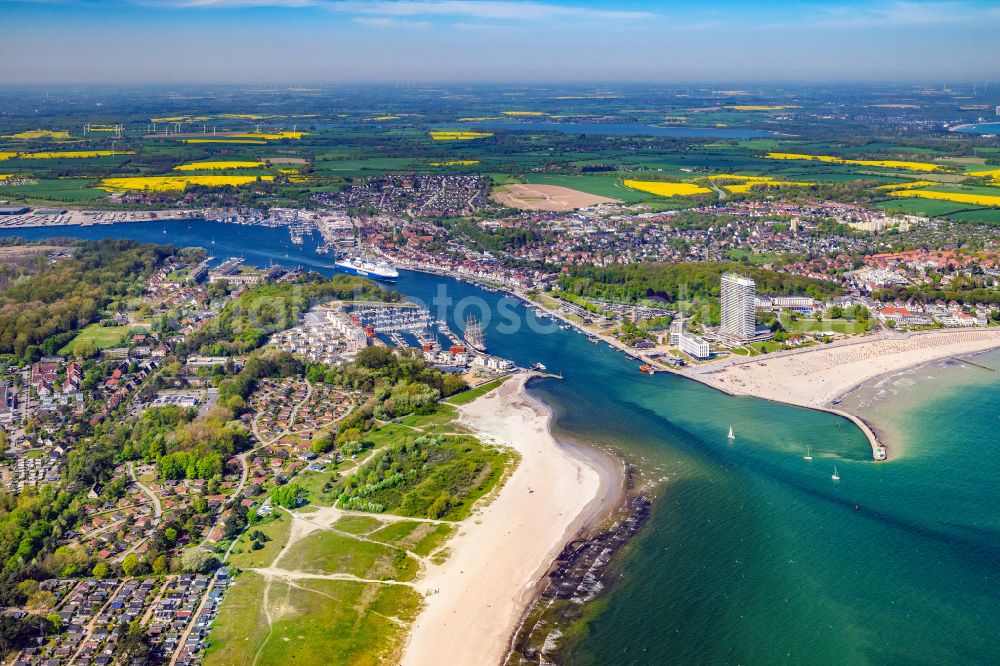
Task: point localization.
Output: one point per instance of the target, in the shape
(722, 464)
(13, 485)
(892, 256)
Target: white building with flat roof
(693, 346)
(738, 297)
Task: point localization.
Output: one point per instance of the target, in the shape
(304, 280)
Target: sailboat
(731, 435)
(808, 455)
(836, 474)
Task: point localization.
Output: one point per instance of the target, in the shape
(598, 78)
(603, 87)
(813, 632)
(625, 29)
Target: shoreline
(476, 598)
(819, 378)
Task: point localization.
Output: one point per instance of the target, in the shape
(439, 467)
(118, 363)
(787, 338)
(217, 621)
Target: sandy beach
(502, 551)
(818, 377)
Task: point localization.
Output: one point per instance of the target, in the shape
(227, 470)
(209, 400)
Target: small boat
(808, 455)
(538, 367)
(644, 368)
(836, 474)
(731, 435)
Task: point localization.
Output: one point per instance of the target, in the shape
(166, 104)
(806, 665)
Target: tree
(322, 442)
(100, 571)
(160, 565)
(135, 647)
(287, 496)
(130, 565)
(84, 349)
(55, 621)
(196, 560)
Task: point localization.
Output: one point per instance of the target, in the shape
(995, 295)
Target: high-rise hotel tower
(738, 313)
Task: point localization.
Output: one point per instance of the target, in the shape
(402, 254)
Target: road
(157, 510)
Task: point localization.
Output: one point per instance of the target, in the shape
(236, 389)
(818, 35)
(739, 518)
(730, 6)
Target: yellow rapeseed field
(907, 186)
(173, 183)
(458, 136)
(214, 166)
(523, 113)
(733, 176)
(478, 118)
(992, 174)
(181, 119)
(244, 116)
(6, 155)
(667, 189)
(40, 134)
(270, 136)
(385, 118)
(455, 163)
(240, 141)
(746, 182)
(889, 164)
(741, 188)
(762, 107)
(975, 199)
(5, 176)
(72, 154)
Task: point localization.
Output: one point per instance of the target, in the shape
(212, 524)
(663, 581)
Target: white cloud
(479, 9)
(387, 22)
(513, 10)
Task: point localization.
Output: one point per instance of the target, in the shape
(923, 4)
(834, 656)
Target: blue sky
(286, 41)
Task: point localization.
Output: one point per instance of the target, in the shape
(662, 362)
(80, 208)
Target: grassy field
(466, 397)
(357, 524)
(329, 552)
(315, 621)
(929, 207)
(830, 325)
(318, 486)
(417, 537)
(276, 529)
(337, 622)
(605, 185)
(443, 414)
(69, 191)
(986, 216)
(241, 626)
(102, 337)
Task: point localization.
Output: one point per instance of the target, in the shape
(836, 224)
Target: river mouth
(748, 553)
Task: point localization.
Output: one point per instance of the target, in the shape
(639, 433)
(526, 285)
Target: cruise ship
(376, 270)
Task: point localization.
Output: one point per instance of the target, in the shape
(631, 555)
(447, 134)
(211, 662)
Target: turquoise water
(752, 554)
